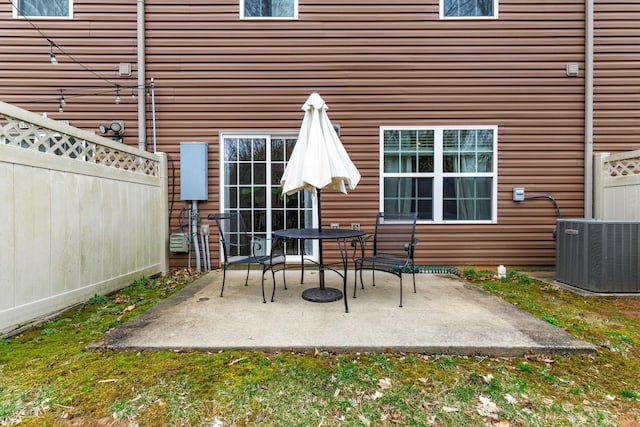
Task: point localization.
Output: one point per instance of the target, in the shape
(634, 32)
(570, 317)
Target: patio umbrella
(318, 161)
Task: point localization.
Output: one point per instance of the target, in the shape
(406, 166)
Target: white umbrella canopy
(319, 159)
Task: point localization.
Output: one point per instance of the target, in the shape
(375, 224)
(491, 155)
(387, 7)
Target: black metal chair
(392, 248)
(239, 247)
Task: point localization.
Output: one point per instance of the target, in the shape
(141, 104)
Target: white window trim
(268, 135)
(438, 175)
(494, 16)
(15, 9)
(270, 18)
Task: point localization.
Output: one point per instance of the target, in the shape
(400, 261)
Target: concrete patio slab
(446, 316)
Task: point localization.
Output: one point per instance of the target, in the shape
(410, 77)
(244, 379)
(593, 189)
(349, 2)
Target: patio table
(323, 293)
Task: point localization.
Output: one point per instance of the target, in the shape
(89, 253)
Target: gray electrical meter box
(194, 172)
(518, 194)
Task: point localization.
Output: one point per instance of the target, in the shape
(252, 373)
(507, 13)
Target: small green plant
(139, 283)
(629, 394)
(381, 359)
(411, 358)
(550, 319)
(576, 390)
(17, 405)
(621, 337)
(49, 331)
(446, 362)
(98, 299)
(516, 276)
(550, 377)
(469, 273)
(58, 322)
(525, 367)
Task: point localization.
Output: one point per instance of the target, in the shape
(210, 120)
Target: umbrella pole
(321, 293)
(321, 269)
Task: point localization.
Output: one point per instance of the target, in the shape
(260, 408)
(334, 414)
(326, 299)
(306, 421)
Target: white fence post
(164, 213)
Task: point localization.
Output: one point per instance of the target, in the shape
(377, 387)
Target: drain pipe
(152, 89)
(194, 233)
(588, 109)
(142, 84)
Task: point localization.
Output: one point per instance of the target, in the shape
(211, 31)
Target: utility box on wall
(599, 255)
(194, 171)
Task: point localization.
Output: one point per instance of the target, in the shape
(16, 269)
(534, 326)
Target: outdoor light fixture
(52, 54)
(116, 126)
(61, 101)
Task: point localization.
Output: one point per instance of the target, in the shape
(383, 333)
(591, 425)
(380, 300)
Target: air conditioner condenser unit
(599, 255)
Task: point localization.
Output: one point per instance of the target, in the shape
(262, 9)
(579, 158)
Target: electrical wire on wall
(546, 196)
(54, 47)
(555, 204)
(173, 185)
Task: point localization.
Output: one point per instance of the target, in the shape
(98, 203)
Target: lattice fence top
(623, 167)
(47, 136)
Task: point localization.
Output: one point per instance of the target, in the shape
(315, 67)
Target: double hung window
(446, 174)
(43, 8)
(282, 9)
(468, 8)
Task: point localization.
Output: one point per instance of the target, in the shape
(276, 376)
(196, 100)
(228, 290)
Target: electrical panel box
(194, 172)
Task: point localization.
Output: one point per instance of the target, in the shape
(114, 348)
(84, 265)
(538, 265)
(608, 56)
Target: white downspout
(588, 109)
(142, 87)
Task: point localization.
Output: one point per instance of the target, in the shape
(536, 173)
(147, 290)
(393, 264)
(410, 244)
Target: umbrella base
(322, 294)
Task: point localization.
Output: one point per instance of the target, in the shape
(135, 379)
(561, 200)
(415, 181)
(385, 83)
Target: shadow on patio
(446, 316)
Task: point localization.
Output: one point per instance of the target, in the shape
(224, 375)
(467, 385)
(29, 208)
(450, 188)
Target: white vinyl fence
(80, 215)
(617, 186)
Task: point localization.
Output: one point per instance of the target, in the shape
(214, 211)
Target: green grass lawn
(47, 378)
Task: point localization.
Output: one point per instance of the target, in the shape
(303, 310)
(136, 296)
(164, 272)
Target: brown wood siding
(617, 76)
(380, 64)
(376, 64)
(91, 45)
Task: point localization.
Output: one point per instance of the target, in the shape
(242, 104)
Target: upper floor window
(444, 174)
(43, 8)
(468, 8)
(283, 9)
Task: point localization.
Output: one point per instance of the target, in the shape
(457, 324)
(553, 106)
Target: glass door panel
(252, 168)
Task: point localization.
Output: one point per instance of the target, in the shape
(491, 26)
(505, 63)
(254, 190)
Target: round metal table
(323, 293)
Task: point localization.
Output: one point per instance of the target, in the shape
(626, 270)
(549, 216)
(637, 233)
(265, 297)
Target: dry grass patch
(47, 378)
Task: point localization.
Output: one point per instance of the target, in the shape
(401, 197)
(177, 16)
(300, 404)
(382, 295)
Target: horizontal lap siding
(90, 47)
(376, 64)
(617, 76)
(383, 64)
